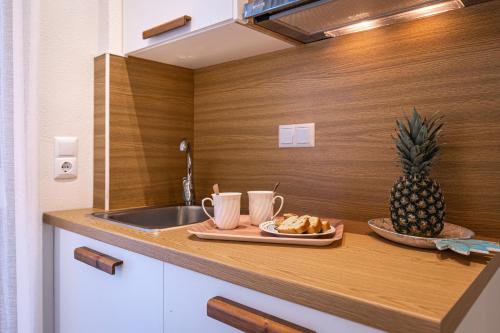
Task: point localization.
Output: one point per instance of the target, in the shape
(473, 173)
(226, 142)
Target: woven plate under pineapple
(383, 227)
(272, 228)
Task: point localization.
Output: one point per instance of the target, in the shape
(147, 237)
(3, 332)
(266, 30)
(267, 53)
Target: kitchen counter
(362, 278)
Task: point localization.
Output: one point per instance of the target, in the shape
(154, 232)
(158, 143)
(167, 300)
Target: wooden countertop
(361, 278)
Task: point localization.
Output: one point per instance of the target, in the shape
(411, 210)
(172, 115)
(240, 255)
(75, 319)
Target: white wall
(72, 33)
(110, 27)
(68, 44)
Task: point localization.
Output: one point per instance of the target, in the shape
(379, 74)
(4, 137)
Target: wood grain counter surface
(361, 278)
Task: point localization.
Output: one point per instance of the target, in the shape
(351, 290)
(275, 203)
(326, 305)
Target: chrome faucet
(187, 182)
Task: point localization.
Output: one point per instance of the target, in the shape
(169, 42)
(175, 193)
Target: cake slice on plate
(294, 225)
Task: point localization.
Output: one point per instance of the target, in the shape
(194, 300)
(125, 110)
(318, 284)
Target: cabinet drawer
(140, 16)
(88, 299)
(187, 294)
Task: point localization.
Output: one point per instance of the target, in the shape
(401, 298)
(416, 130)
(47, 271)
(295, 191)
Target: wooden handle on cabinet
(247, 319)
(96, 259)
(170, 25)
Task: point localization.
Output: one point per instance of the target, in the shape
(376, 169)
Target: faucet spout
(187, 182)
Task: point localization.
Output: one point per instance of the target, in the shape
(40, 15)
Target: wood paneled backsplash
(354, 88)
(150, 111)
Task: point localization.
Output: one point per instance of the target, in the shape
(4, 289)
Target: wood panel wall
(354, 88)
(150, 111)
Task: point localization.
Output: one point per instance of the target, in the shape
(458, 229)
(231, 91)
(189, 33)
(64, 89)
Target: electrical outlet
(65, 168)
(65, 159)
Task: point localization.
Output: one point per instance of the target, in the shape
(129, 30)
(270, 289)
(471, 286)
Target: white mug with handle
(226, 209)
(261, 206)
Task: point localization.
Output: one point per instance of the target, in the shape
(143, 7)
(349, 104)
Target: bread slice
(286, 224)
(325, 226)
(278, 222)
(294, 225)
(314, 225)
(300, 226)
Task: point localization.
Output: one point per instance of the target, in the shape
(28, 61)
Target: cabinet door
(90, 300)
(140, 15)
(187, 294)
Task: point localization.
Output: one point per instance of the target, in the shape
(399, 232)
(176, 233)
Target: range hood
(312, 20)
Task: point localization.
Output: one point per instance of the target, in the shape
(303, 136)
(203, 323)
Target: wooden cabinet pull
(96, 259)
(247, 319)
(170, 25)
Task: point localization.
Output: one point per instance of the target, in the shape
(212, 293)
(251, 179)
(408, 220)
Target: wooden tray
(250, 233)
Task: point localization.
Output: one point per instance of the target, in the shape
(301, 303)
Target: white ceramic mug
(261, 206)
(226, 209)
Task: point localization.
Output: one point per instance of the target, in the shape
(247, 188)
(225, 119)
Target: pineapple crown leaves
(416, 142)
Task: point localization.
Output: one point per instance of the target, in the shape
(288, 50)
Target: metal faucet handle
(188, 194)
(187, 182)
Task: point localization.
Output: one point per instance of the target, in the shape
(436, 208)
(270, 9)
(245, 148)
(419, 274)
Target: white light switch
(304, 134)
(286, 135)
(65, 157)
(65, 146)
(296, 135)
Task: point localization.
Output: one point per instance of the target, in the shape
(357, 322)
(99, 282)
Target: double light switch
(65, 159)
(296, 135)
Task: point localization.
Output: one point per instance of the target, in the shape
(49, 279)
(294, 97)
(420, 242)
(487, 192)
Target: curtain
(20, 226)
(8, 304)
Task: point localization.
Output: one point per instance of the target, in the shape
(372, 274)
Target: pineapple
(417, 202)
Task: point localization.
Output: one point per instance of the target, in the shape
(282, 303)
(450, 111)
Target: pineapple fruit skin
(417, 206)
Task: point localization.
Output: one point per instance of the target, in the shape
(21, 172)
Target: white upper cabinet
(141, 15)
(213, 32)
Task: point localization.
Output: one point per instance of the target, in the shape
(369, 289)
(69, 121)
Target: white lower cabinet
(187, 294)
(88, 300)
(150, 296)
(147, 295)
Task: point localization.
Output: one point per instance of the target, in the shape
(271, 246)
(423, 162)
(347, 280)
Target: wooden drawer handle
(97, 259)
(247, 319)
(170, 25)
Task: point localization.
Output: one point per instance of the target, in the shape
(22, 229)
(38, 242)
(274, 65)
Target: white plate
(270, 227)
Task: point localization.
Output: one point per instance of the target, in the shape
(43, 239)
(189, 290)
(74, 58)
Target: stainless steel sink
(156, 218)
